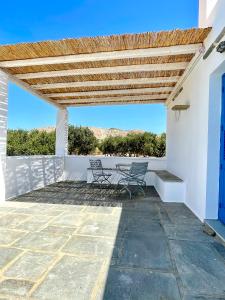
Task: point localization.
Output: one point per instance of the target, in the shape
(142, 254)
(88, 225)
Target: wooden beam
(116, 103)
(27, 88)
(120, 98)
(81, 84)
(106, 70)
(103, 56)
(113, 92)
(185, 75)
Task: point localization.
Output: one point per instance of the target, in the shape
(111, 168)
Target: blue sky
(22, 21)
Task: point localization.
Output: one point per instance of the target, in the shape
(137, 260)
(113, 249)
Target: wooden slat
(120, 98)
(73, 104)
(106, 70)
(102, 56)
(103, 44)
(100, 83)
(113, 92)
(27, 88)
(186, 73)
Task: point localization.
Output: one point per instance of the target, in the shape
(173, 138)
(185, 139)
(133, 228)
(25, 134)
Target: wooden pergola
(120, 69)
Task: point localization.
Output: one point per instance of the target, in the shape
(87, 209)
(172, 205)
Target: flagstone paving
(98, 245)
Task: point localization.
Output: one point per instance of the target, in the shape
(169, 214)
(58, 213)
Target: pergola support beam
(103, 56)
(120, 99)
(179, 85)
(61, 145)
(116, 102)
(28, 88)
(102, 83)
(114, 92)
(106, 70)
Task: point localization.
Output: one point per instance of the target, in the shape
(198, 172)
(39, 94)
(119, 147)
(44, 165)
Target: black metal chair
(99, 175)
(134, 177)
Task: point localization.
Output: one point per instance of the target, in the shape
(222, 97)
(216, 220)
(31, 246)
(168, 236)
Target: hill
(102, 133)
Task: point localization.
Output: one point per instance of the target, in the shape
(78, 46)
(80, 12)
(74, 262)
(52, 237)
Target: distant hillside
(102, 133)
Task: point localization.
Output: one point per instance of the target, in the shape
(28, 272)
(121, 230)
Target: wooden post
(61, 146)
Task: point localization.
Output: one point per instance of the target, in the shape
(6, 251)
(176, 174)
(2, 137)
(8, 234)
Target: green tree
(35, 142)
(150, 144)
(135, 144)
(141, 144)
(108, 146)
(161, 145)
(81, 140)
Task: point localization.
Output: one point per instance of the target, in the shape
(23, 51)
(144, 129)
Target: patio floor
(101, 245)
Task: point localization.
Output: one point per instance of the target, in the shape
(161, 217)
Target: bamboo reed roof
(118, 69)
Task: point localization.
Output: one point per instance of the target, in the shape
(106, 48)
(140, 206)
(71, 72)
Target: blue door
(222, 158)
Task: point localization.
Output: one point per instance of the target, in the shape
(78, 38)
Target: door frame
(221, 209)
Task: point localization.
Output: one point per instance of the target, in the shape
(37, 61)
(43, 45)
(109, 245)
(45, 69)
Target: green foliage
(34, 142)
(161, 145)
(142, 144)
(83, 142)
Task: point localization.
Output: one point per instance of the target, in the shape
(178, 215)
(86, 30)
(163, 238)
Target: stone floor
(105, 247)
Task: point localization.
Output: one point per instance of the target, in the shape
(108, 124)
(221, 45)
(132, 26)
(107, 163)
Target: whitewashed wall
(3, 130)
(27, 173)
(76, 166)
(193, 136)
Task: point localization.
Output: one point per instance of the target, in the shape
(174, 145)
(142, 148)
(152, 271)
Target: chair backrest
(95, 163)
(138, 169)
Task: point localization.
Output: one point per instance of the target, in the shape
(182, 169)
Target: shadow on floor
(81, 193)
(159, 252)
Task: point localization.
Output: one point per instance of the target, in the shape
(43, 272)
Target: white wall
(27, 173)
(76, 166)
(3, 130)
(61, 143)
(207, 11)
(193, 136)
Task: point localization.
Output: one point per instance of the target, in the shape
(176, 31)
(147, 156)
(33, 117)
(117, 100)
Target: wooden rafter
(106, 70)
(114, 102)
(102, 56)
(113, 92)
(102, 83)
(119, 99)
(121, 69)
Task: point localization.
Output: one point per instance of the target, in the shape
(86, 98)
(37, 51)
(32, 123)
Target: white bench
(169, 187)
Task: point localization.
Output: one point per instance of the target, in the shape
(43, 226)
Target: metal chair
(134, 176)
(99, 176)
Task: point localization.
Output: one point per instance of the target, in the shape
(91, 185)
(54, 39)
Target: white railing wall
(76, 166)
(27, 173)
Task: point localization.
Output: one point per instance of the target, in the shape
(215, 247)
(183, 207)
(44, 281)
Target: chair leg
(128, 190)
(107, 180)
(141, 189)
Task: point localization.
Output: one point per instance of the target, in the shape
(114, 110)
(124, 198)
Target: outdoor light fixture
(221, 47)
(215, 44)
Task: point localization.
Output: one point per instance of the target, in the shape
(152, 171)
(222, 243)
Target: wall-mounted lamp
(221, 47)
(180, 107)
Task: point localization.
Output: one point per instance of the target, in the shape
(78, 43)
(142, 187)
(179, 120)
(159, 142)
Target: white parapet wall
(76, 166)
(27, 173)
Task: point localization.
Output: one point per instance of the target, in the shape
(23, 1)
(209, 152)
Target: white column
(3, 130)
(61, 145)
